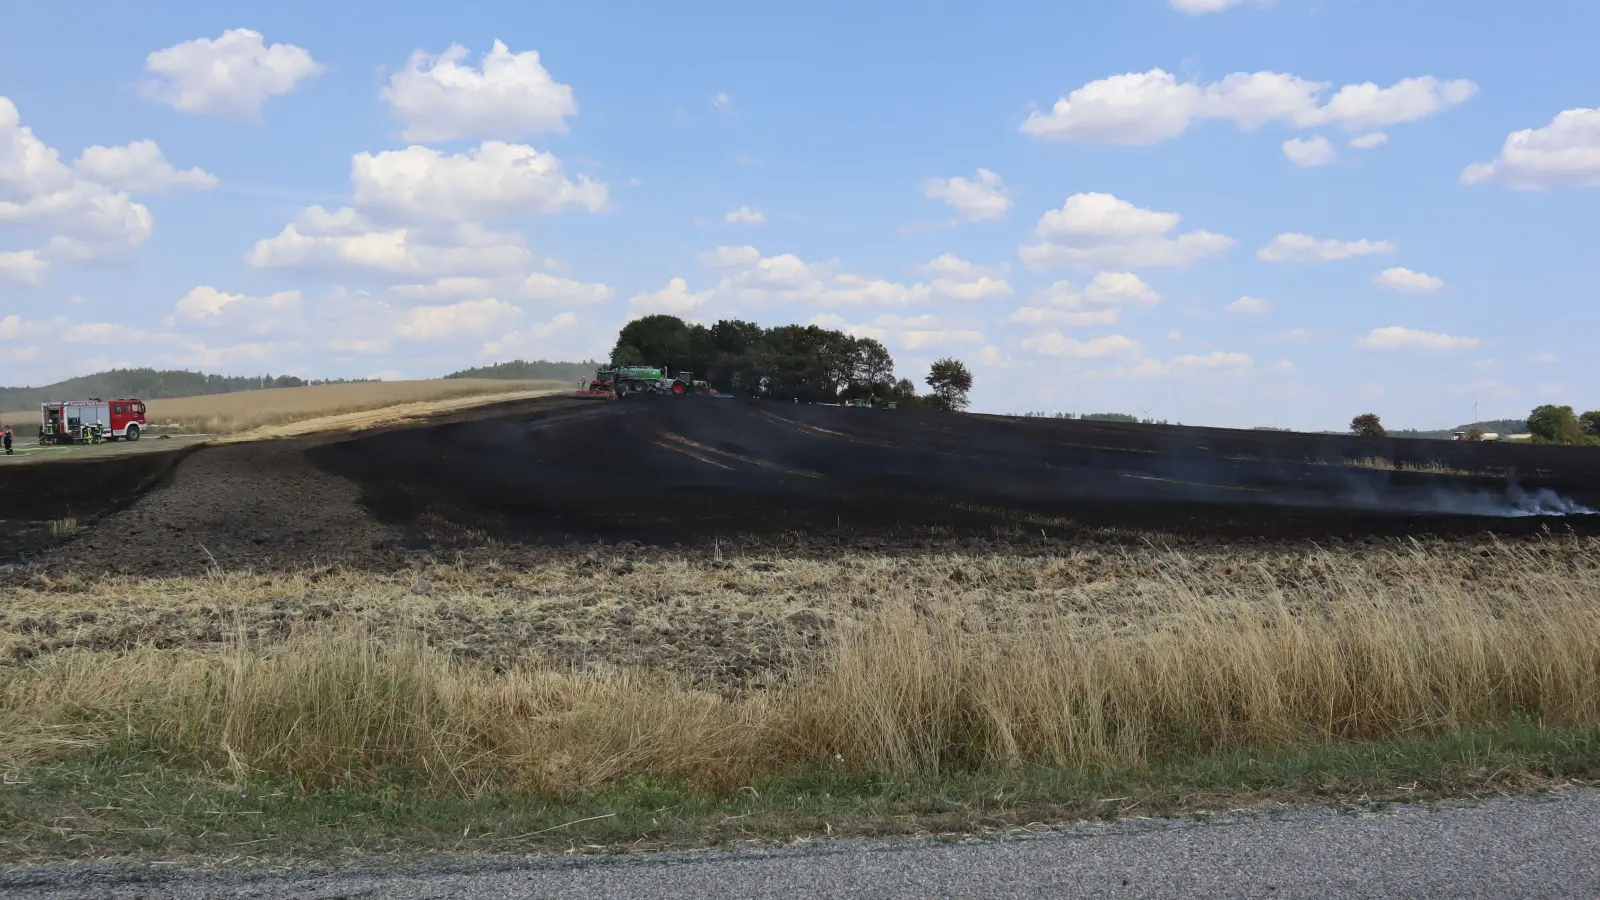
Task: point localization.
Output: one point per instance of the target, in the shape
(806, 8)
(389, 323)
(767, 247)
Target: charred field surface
(688, 472)
(698, 472)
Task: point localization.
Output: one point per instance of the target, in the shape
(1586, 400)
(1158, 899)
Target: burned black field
(690, 471)
(697, 471)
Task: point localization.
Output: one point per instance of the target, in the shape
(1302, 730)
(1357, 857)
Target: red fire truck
(86, 421)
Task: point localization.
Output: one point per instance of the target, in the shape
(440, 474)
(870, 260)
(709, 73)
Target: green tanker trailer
(628, 380)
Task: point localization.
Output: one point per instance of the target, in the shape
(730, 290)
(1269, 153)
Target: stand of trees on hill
(531, 370)
(148, 384)
(804, 362)
(1560, 425)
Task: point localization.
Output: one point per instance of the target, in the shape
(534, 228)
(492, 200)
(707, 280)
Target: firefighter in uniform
(6, 439)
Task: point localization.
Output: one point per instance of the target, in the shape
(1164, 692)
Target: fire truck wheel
(133, 432)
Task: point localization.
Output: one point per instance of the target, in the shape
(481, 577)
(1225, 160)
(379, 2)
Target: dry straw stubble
(1179, 660)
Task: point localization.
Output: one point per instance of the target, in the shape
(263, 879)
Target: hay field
(595, 668)
(246, 410)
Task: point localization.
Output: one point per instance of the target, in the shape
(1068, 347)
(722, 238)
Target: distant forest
(147, 384)
(531, 370)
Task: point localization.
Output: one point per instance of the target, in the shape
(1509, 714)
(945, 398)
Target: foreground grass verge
(127, 803)
(981, 693)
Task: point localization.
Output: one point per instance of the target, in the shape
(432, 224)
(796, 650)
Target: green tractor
(626, 381)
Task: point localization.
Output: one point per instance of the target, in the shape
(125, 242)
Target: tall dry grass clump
(914, 689)
(925, 694)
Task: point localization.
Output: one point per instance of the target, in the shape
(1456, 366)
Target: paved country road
(1510, 847)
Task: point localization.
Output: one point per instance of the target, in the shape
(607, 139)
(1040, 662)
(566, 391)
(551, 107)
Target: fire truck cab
(85, 421)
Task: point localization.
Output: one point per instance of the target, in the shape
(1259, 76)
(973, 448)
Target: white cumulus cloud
(1249, 306)
(1101, 303)
(749, 277)
(230, 75)
(532, 341)
(563, 291)
(205, 305)
(451, 288)
(1293, 247)
(475, 318)
(958, 279)
(1310, 153)
(941, 338)
(674, 299)
(73, 217)
(1064, 318)
(417, 214)
(1150, 107)
(1056, 344)
(1565, 153)
(1093, 231)
(1203, 7)
(493, 181)
(977, 199)
(510, 95)
(1107, 289)
(1216, 359)
(744, 215)
(23, 267)
(1407, 282)
(1362, 107)
(1187, 365)
(344, 239)
(1398, 338)
(138, 167)
(1370, 141)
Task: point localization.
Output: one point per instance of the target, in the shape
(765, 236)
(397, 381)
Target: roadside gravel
(1510, 847)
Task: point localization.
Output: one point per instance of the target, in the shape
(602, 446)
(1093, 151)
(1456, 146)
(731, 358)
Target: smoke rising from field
(1515, 503)
(1512, 503)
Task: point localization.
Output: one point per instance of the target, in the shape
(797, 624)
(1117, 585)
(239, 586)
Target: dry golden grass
(1388, 465)
(933, 665)
(272, 410)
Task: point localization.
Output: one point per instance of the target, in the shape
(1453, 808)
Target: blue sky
(1222, 211)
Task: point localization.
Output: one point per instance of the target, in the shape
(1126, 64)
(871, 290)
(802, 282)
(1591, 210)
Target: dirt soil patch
(244, 506)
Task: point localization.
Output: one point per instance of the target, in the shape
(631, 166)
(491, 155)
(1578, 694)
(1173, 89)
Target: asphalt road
(1544, 847)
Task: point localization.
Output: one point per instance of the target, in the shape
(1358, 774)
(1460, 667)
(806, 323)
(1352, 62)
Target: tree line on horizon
(1547, 424)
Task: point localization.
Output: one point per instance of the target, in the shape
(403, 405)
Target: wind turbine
(1144, 413)
(1474, 408)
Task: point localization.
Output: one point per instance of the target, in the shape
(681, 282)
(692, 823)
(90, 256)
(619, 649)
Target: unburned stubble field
(245, 410)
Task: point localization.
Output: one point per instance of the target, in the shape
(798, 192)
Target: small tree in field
(1367, 425)
(1474, 434)
(1555, 425)
(1591, 423)
(950, 381)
